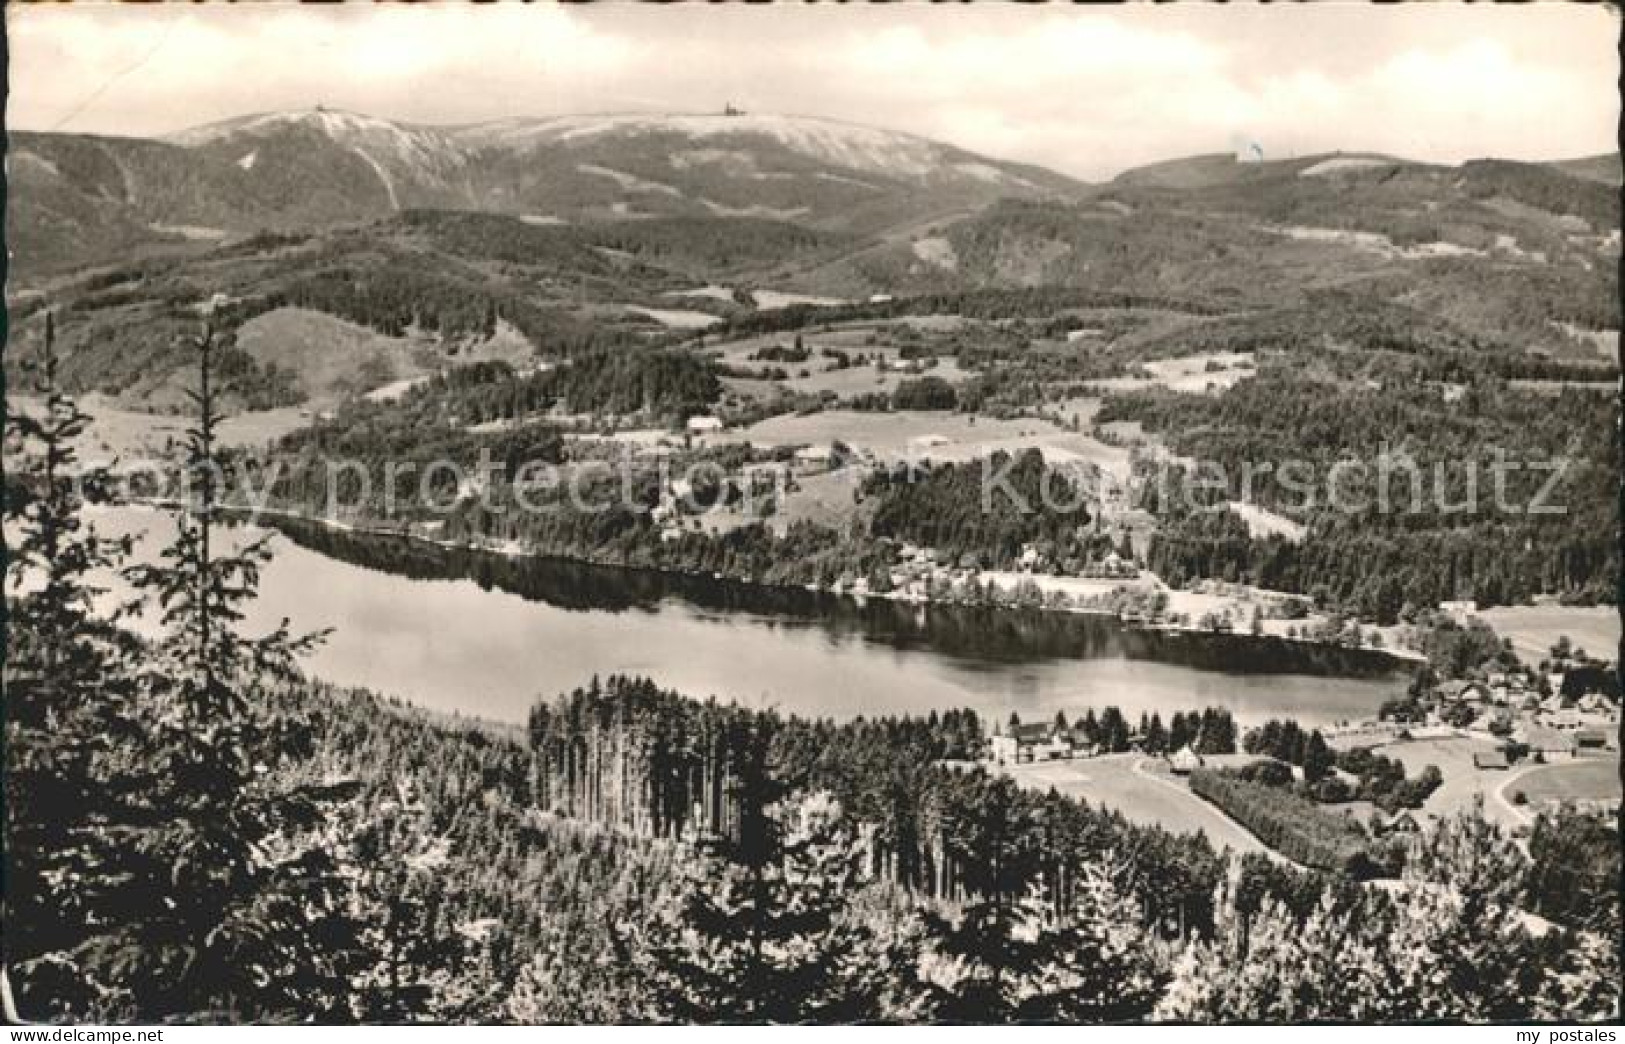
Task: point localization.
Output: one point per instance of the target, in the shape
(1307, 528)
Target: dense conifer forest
(195, 832)
(1555, 536)
(198, 830)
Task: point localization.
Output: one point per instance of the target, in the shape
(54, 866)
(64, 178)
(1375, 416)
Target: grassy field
(676, 318)
(262, 426)
(1591, 779)
(941, 436)
(856, 380)
(824, 499)
(330, 357)
(766, 300)
(128, 436)
(1463, 784)
(1535, 628)
(1262, 523)
(1187, 373)
(872, 339)
(1143, 793)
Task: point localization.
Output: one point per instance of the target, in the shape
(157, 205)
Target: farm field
(1239, 600)
(766, 300)
(1535, 628)
(1263, 523)
(825, 499)
(330, 357)
(1187, 373)
(260, 427)
(1463, 784)
(941, 436)
(1143, 794)
(856, 380)
(115, 433)
(127, 436)
(676, 318)
(1591, 779)
(871, 338)
(1076, 586)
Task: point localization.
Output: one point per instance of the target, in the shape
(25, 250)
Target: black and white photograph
(656, 514)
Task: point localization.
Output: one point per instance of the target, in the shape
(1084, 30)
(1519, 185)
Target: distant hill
(77, 198)
(1217, 170)
(1188, 172)
(563, 234)
(1605, 168)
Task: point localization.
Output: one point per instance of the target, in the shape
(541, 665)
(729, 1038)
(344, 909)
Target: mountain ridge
(79, 198)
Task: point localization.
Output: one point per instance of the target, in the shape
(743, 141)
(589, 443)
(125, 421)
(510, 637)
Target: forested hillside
(1420, 516)
(197, 832)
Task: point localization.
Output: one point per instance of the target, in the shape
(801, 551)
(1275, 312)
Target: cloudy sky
(1088, 92)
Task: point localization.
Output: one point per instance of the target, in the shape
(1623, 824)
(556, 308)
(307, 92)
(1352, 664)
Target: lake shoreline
(485, 634)
(1398, 660)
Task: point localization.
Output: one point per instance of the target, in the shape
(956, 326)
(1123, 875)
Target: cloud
(199, 64)
(1087, 92)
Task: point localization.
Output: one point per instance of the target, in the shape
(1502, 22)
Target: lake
(486, 634)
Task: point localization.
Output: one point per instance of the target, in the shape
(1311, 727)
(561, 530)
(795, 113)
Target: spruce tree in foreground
(237, 890)
(177, 867)
(64, 690)
(1448, 943)
(762, 938)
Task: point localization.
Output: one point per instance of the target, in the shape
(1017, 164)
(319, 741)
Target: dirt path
(1223, 831)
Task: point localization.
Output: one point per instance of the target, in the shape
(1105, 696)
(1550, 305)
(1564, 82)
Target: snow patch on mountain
(936, 250)
(419, 151)
(24, 158)
(1341, 163)
(629, 182)
(755, 210)
(1374, 242)
(383, 175)
(850, 145)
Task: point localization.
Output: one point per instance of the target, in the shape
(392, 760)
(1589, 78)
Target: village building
(1490, 759)
(1113, 566)
(1082, 745)
(1185, 761)
(1597, 705)
(1401, 823)
(1020, 744)
(817, 457)
(1462, 692)
(1058, 748)
(765, 472)
(705, 425)
(1592, 741)
(1568, 719)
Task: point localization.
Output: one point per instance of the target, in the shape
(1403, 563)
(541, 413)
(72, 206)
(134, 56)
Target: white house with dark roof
(1020, 743)
(1185, 761)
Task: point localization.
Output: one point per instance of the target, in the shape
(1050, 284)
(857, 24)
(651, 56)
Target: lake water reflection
(487, 635)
